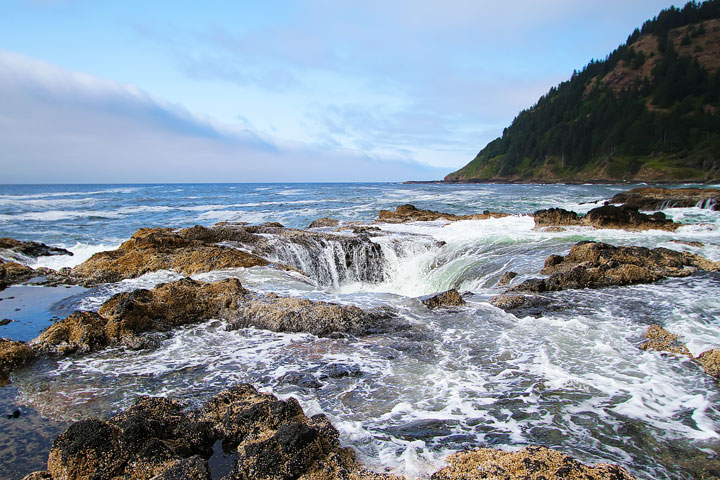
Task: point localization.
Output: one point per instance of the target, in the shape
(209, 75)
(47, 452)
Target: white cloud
(59, 126)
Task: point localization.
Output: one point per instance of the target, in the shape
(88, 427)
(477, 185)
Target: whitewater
(573, 379)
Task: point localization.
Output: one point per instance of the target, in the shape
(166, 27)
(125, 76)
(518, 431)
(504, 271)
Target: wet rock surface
(449, 298)
(506, 278)
(158, 438)
(656, 198)
(596, 265)
(13, 272)
(661, 340)
(410, 213)
(30, 249)
(12, 355)
(529, 463)
(608, 216)
(324, 222)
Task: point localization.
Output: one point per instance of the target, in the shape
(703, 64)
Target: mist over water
(471, 376)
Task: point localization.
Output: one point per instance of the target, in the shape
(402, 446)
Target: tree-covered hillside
(649, 111)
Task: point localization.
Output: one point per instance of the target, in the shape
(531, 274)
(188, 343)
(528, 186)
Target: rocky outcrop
(449, 298)
(125, 316)
(324, 222)
(409, 213)
(152, 249)
(655, 198)
(12, 355)
(157, 438)
(506, 278)
(661, 340)
(30, 249)
(283, 314)
(522, 305)
(608, 216)
(529, 463)
(13, 272)
(595, 265)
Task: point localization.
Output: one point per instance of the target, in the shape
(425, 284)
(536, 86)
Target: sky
(280, 91)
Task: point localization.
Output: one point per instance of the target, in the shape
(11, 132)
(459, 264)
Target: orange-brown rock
(409, 213)
(656, 198)
(529, 463)
(13, 272)
(663, 341)
(12, 355)
(152, 249)
(710, 362)
(30, 249)
(449, 298)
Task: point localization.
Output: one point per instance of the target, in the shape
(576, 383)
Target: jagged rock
(409, 213)
(555, 217)
(710, 362)
(31, 249)
(283, 314)
(663, 341)
(506, 278)
(13, 272)
(522, 305)
(13, 354)
(449, 298)
(656, 198)
(324, 222)
(608, 216)
(152, 249)
(627, 218)
(126, 315)
(529, 463)
(596, 264)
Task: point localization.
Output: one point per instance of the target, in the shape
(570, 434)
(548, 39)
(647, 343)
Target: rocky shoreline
(271, 438)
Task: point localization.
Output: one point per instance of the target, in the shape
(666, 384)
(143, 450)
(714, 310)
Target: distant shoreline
(560, 182)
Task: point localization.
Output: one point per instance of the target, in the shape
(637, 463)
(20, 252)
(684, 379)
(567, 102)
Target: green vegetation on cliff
(650, 112)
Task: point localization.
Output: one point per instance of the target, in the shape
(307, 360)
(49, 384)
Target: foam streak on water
(574, 379)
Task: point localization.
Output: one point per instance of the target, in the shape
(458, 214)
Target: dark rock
(193, 468)
(409, 213)
(339, 370)
(38, 476)
(324, 222)
(655, 198)
(627, 218)
(12, 356)
(506, 278)
(522, 305)
(304, 380)
(13, 272)
(424, 429)
(529, 463)
(14, 414)
(5, 321)
(449, 298)
(31, 249)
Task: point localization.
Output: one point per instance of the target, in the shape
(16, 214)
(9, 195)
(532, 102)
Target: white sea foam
(81, 252)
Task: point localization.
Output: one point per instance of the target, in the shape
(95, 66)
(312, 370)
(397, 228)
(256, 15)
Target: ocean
(573, 379)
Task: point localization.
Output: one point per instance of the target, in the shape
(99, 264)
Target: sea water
(573, 379)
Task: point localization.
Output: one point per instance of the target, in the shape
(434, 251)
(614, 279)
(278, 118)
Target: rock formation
(608, 216)
(656, 198)
(30, 249)
(324, 222)
(12, 355)
(13, 272)
(409, 213)
(661, 340)
(529, 463)
(449, 298)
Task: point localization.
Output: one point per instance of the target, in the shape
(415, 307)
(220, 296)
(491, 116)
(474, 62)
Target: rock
(12, 355)
(324, 222)
(555, 217)
(13, 272)
(81, 332)
(506, 278)
(627, 218)
(663, 341)
(522, 305)
(710, 362)
(409, 213)
(5, 321)
(193, 468)
(31, 249)
(608, 216)
(44, 475)
(304, 380)
(150, 249)
(596, 265)
(449, 298)
(283, 314)
(529, 463)
(688, 243)
(656, 198)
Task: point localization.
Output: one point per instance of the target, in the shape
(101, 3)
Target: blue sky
(168, 91)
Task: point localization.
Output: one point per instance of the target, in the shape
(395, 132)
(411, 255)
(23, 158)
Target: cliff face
(649, 112)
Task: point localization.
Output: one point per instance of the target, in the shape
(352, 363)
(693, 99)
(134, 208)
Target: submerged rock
(449, 298)
(656, 198)
(596, 264)
(31, 249)
(529, 463)
(608, 216)
(409, 213)
(13, 354)
(663, 341)
(324, 222)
